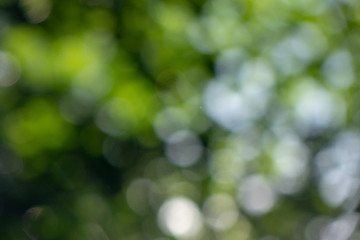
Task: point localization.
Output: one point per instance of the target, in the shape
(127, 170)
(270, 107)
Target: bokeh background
(178, 119)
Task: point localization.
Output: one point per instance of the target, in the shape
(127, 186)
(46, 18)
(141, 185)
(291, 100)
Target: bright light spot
(317, 109)
(290, 157)
(220, 211)
(226, 106)
(338, 68)
(180, 217)
(240, 93)
(256, 196)
(314, 109)
(9, 70)
(341, 228)
(183, 149)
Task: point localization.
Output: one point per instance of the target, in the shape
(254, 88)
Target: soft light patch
(180, 217)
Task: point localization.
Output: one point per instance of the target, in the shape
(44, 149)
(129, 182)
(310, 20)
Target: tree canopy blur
(178, 119)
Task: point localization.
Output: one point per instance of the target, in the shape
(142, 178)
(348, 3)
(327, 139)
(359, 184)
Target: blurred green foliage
(176, 119)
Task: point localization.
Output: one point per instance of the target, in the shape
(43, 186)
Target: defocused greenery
(178, 119)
